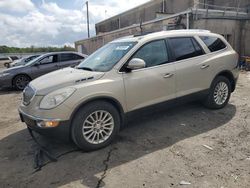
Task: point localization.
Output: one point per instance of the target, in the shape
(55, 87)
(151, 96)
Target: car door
(68, 60)
(45, 65)
(153, 84)
(191, 70)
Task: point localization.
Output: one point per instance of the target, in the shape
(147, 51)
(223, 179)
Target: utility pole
(187, 21)
(163, 6)
(87, 5)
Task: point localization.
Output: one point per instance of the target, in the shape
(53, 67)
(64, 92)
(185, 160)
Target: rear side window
(67, 57)
(153, 53)
(185, 47)
(213, 43)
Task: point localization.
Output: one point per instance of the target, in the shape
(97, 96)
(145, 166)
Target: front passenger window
(153, 53)
(48, 59)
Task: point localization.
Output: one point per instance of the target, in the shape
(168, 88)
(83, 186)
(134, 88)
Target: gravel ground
(158, 148)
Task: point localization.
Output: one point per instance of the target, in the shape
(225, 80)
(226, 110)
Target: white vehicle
(89, 102)
(23, 60)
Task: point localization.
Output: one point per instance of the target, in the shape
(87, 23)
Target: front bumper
(5, 82)
(62, 131)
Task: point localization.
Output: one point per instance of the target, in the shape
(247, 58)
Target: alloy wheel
(22, 82)
(221, 93)
(98, 127)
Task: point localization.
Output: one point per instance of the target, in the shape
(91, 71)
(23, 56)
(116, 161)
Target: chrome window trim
(180, 61)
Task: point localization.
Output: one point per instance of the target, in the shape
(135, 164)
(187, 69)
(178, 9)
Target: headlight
(4, 74)
(56, 98)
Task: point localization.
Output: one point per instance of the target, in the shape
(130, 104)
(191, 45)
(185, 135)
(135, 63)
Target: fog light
(45, 124)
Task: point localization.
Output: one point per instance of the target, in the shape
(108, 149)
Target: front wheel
(21, 81)
(7, 65)
(219, 93)
(95, 125)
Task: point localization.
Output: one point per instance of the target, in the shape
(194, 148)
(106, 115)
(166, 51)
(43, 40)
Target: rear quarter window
(67, 57)
(213, 43)
(185, 47)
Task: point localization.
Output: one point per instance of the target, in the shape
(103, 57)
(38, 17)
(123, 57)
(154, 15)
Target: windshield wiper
(85, 68)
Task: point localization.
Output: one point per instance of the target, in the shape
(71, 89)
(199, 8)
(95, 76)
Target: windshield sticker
(122, 47)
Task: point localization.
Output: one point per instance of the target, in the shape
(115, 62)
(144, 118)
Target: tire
(21, 81)
(220, 101)
(84, 125)
(7, 65)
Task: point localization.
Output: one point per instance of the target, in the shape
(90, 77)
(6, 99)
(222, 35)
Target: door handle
(204, 66)
(168, 75)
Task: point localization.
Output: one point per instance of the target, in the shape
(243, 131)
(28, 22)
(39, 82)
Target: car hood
(63, 78)
(14, 69)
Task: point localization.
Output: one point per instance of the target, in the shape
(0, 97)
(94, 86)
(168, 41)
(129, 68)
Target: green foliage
(33, 49)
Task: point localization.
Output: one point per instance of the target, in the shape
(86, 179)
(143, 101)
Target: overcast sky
(53, 22)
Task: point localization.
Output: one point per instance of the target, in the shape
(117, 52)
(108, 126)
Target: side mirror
(136, 63)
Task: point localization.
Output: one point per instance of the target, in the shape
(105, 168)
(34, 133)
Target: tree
(33, 49)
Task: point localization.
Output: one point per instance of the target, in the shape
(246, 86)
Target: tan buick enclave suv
(87, 103)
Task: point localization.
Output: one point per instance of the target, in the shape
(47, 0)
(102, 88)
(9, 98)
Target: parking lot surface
(158, 148)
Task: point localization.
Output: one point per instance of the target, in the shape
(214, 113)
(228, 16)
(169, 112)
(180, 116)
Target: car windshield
(106, 57)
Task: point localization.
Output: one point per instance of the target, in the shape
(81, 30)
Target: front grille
(28, 94)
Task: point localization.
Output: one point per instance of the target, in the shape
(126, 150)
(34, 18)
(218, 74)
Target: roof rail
(125, 37)
(191, 30)
(143, 33)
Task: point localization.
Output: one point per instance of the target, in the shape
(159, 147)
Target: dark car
(19, 76)
(23, 60)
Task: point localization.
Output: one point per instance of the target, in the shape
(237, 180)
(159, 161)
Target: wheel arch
(20, 74)
(108, 99)
(229, 76)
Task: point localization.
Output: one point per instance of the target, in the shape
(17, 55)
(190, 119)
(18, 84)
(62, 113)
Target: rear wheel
(219, 93)
(21, 81)
(95, 125)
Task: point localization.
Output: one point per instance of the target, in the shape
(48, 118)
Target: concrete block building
(230, 18)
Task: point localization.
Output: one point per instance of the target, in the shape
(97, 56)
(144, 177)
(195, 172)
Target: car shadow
(145, 133)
